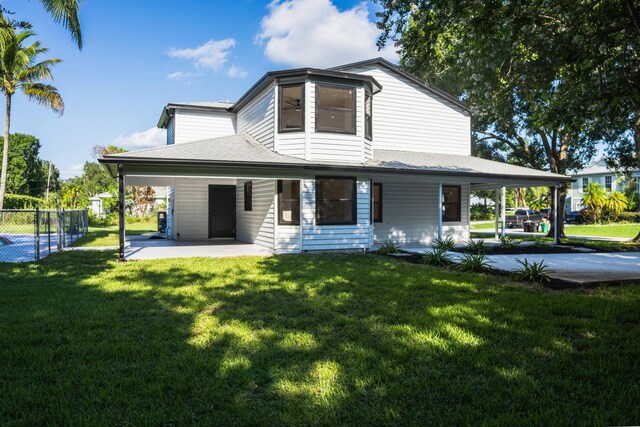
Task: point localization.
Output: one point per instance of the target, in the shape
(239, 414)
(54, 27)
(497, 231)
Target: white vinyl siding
(170, 132)
(410, 212)
(341, 237)
(256, 226)
(409, 118)
(199, 125)
(257, 118)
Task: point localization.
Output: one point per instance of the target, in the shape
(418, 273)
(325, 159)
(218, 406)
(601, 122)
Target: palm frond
(34, 74)
(44, 94)
(66, 12)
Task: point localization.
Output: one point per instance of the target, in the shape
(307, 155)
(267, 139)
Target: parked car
(546, 212)
(573, 217)
(522, 215)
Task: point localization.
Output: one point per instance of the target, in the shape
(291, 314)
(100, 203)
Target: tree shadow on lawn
(307, 340)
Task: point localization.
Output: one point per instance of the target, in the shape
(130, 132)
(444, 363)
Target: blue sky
(139, 55)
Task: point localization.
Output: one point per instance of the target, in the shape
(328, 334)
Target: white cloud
(182, 75)
(211, 55)
(72, 171)
(149, 138)
(316, 33)
(236, 72)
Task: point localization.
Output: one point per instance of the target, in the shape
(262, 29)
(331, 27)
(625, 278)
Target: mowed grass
(308, 339)
(108, 235)
(605, 230)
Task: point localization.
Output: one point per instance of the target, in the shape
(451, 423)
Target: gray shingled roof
(243, 150)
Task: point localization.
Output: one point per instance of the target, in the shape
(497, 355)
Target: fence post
(64, 232)
(49, 232)
(37, 234)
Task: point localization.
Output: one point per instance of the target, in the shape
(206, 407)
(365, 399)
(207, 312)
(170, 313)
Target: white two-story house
(321, 159)
(598, 173)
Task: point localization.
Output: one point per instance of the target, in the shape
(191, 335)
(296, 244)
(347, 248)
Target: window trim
(279, 207)
(459, 204)
(585, 180)
(354, 205)
(608, 187)
(302, 103)
(368, 136)
(248, 207)
(381, 203)
(353, 107)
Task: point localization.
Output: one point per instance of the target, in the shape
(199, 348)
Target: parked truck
(521, 216)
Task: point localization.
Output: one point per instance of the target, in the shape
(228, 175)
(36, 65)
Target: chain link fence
(32, 234)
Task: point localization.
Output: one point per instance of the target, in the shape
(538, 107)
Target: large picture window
(377, 202)
(451, 206)
(291, 114)
(335, 201)
(288, 202)
(335, 109)
(368, 115)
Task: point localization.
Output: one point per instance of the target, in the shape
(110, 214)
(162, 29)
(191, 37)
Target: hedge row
(629, 217)
(17, 201)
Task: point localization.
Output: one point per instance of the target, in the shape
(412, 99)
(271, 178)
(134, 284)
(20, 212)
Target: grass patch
(324, 339)
(628, 231)
(108, 235)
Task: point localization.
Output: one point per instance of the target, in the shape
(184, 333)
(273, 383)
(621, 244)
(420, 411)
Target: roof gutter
(113, 160)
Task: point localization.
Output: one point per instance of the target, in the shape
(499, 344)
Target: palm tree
(62, 11)
(19, 70)
(615, 204)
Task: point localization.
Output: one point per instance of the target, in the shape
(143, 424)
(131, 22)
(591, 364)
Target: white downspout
(503, 213)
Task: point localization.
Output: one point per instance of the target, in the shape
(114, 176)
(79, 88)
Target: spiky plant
(532, 271)
(473, 263)
(388, 247)
(446, 243)
(439, 257)
(476, 246)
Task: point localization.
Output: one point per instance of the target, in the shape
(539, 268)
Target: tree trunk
(5, 152)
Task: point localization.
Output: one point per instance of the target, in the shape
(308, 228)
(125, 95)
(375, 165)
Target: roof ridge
(173, 145)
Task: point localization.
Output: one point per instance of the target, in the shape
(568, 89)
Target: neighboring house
(322, 159)
(599, 173)
(97, 205)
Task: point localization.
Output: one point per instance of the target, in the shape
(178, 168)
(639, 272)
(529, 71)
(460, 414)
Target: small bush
(480, 212)
(388, 247)
(476, 246)
(473, 263)
(447, 243)
(508, 242)
(19, 201)
(629, 217)
(532, 271)
(439, 257)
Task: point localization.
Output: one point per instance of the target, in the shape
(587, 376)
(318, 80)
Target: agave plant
(388, 247)
(439, 257)
(508, 242)
(532, 271)
(473, 262)
(447, 243)
(476, 246)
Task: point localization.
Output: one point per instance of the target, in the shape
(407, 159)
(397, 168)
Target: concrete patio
(138, 249)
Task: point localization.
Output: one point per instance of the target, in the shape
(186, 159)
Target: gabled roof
(421, 83)
(242, 150)
(598, 168)
(168, 110)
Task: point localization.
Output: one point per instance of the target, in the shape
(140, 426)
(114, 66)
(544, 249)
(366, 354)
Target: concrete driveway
(162, 249)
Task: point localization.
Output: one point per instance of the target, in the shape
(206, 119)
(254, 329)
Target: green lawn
(325, 339)
(108, 236)
(607, 230)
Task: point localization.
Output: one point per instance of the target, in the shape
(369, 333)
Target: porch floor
(163, 249)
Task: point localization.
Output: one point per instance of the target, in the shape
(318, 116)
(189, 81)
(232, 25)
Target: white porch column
(121, 215)
(556, 236)
(439, 210)
(497, 211)
(503, 213)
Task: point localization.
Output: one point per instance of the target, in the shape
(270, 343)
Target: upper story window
(335, 109)
(607, 182)
(291, 114)
(585, 184)
(368, 115)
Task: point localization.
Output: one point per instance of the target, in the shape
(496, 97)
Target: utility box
(162, 222)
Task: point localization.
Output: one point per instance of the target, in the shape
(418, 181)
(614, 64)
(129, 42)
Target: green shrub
(447, 243)
(18, 201)
(533, 272)
(629, 217)
(473, 263)
(480, 212)
(476, 246)
(508, 242)
(388, 247)
(438, 257)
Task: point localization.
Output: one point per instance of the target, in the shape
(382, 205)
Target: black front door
(222, 211)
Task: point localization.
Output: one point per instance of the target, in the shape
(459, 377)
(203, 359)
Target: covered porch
(137, 249)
